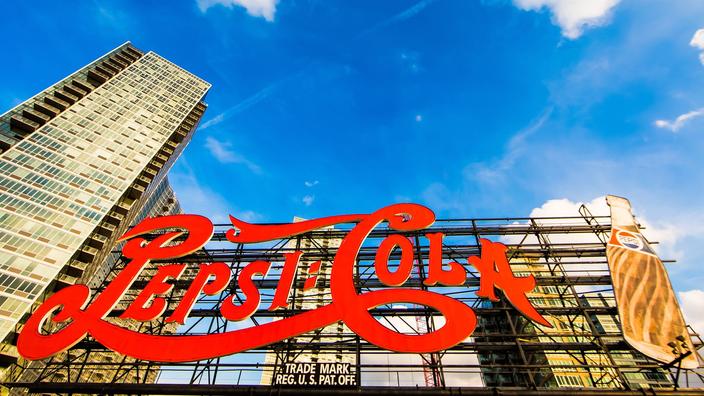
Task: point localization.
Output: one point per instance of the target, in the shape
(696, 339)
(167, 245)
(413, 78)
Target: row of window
(12, 308)
(57, 188)
(72, 145)
(40, 213)
(26, 267)
(19, 287)
(38, 231)
(62, 205)
(193, 80)
(30, 248)
(35, 158)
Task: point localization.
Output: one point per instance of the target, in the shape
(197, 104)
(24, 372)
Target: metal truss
(507, 353)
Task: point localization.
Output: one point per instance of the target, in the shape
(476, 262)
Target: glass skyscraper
(78, 163)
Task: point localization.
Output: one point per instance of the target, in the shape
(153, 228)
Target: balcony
(109, 66)
(166, 151)
(183, 131)
(87, 253)
(96, 240)
(23, 124)
(82, 85)
(47, 109)
(154, 165)
(64, 280)
(75, 91)
(135, 191)
(128, 55)
(137, 54)
(39, 118)
(114, 218)
(66, 96)
(117, 63)
(104, 70)
(143, 181)
(56, 102)
(75, 268)
(151, 171)
(96, 75)
(77, 265)
(122, 207)
(8, 354)
(119, 57)
(105, 228)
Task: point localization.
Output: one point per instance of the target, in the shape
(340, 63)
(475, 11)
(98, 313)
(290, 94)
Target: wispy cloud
(258, 8)
(113, 18)
(308, 200)
(199, 199)
(223, 152)
(401, 16)
(572, 16)
(680, 121)
(268, 90)
(491, 175)
(213, 121)
(494, 171)
(250, 101)
(311, 183)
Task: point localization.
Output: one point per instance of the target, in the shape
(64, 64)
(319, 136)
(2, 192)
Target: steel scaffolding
(507, 353)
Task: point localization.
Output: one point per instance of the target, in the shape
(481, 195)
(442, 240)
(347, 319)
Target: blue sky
(474, 108)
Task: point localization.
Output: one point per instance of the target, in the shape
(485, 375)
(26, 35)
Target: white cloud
(222, 151)
(692, 303)
(666, 235)
(698, 42)
(572, 16)
(698, 39)
(258, 8)
(419, 118)
(308, 200)
(680, 121)
(311, 183)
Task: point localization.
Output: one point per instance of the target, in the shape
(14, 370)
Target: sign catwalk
(650, 315)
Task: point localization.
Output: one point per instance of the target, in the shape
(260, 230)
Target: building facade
(79, 163)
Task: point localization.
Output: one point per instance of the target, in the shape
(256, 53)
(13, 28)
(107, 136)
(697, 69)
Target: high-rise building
(104, 365)
(315, 297)
(78, 163)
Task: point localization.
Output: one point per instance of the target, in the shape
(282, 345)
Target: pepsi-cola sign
(70, 305)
